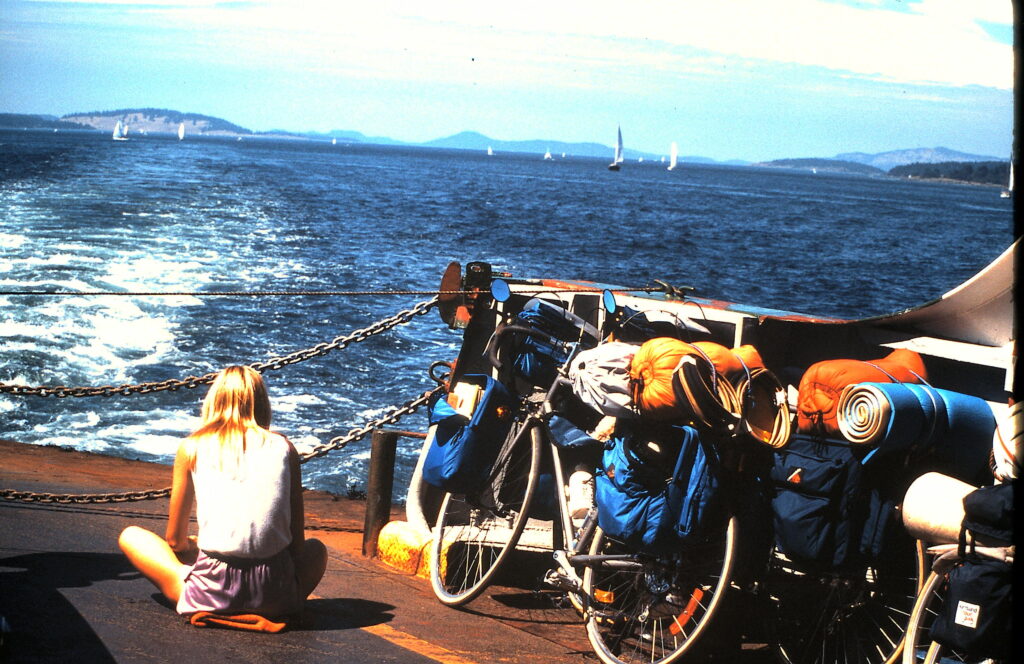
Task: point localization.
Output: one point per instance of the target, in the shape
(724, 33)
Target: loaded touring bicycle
(677, 457)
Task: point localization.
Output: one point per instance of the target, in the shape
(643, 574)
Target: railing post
(379, 485)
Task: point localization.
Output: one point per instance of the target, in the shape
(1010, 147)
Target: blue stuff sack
(463, 449)
(649, 509)
(818, 503)
(537, 360)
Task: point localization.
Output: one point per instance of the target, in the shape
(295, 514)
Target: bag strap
(963, 542)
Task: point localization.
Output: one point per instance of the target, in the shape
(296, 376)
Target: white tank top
(245, 514)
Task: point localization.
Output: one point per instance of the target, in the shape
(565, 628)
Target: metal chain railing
(191, 382)
(336, 443)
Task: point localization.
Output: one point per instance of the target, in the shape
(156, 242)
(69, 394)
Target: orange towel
(823, 382)
(247, 621)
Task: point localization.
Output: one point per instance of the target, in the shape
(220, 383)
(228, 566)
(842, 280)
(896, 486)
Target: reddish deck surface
(69, 595)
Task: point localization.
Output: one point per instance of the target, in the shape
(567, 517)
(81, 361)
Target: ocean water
(80, 212)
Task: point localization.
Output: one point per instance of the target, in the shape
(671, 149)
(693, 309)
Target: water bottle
(581, 491)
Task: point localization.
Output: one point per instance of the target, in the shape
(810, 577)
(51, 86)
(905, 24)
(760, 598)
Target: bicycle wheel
(820, 618)
(654, 609)
(474, 535)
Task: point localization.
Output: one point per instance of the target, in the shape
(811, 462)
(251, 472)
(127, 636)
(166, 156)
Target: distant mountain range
(164, 121)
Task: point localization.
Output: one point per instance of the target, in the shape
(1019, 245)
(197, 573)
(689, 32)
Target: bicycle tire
(635, 610)
(822, 618)
(472, 540)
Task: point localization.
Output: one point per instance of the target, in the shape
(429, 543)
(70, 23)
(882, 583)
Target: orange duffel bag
(656, 362)
(823, 382)
(650, 377)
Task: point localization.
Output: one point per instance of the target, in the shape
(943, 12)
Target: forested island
(824, 166)
(981, 172)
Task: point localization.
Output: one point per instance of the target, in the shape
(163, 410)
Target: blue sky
(727, 79)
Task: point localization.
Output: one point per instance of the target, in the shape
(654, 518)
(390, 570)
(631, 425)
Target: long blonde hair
(236, 403)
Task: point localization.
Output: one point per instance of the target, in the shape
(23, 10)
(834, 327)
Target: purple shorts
(265, 586)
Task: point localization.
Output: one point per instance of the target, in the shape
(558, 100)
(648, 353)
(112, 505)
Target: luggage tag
(464, 398)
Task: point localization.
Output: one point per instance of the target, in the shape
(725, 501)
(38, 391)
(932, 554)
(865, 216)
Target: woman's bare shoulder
(276, 438)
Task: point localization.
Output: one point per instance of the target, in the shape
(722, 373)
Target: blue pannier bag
(819, 502)
(649, 509)
(463, 449)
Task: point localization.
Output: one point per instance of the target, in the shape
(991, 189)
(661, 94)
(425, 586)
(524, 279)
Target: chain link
(336, 443)
(81, 498)
(192, 382)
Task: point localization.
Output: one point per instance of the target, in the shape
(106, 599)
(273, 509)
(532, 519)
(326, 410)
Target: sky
(726, 79)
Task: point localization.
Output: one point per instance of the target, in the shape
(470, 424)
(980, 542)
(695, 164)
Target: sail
(490, 152)
(119, 132)
(181, 131)
(547, 155)
(618, 159)
(673, 156)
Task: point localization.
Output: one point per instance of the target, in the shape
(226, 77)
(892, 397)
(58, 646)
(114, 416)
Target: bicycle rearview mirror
(500, 290)
(608, 300)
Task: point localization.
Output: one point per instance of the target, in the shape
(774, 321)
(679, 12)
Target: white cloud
(929, 41)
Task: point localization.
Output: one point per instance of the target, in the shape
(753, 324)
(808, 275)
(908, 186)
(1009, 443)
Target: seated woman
(251, 554)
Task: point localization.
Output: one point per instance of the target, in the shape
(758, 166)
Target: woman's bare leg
(310, 565)
(152, 556)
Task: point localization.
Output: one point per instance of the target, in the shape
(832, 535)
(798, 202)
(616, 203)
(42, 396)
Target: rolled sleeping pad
(765, 408)
(954, 429)
(1006, 442)
(711, 399)
(933, 508)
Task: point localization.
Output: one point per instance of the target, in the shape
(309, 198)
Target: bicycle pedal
(560, 581)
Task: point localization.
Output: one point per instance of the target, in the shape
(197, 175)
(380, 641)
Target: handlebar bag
(537, 360)
(463, 449)
(645, 507)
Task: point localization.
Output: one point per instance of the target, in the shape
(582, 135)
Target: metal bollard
(379, 485)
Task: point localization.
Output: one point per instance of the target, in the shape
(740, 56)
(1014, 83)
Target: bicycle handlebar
(495, 341)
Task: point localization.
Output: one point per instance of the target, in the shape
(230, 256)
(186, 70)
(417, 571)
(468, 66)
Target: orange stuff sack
(730, 363)
(823, 382)
(650, 376)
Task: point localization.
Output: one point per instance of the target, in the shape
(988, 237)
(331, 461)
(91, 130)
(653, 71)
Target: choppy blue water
(81, 212)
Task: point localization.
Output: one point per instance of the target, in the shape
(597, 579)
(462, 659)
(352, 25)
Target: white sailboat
(490, 152)
(1008, 192)
(181, 131)
(617, 161)
(547, 155)
(673, 156)
(334, 141)
(120, 132)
